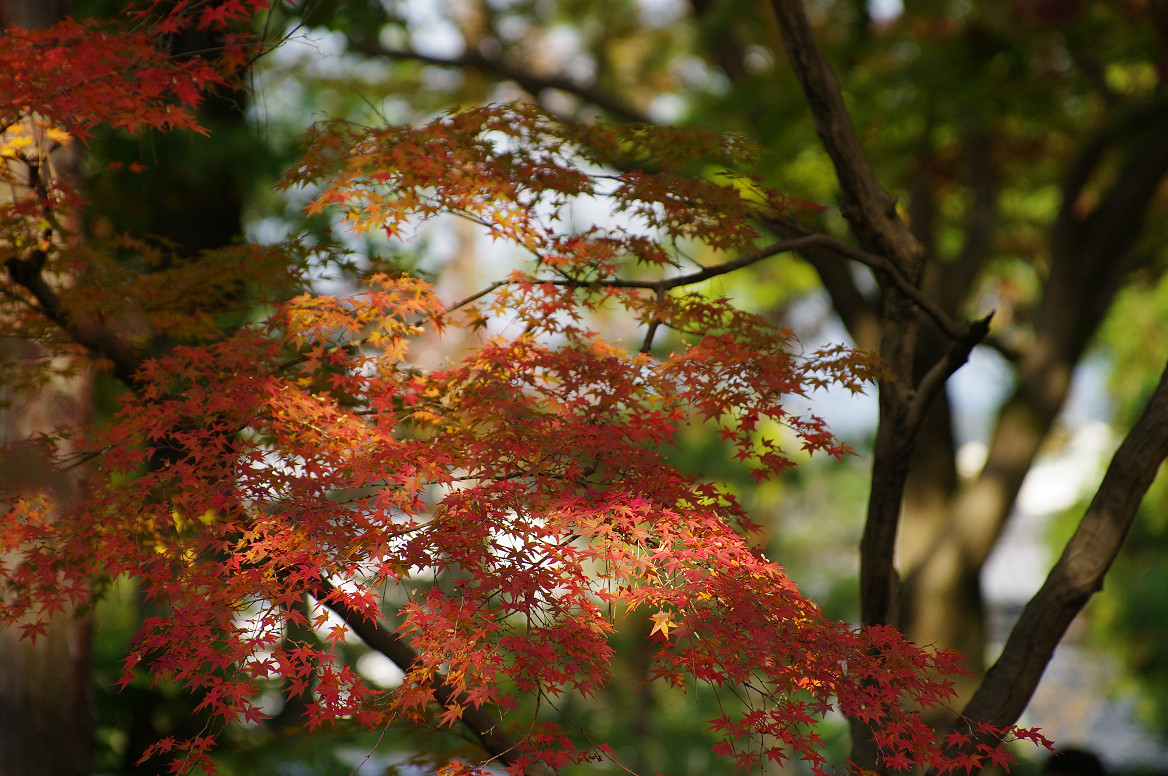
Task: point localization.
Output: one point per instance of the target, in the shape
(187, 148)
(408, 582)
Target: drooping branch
(27, 272)
(957, 330)
(479, 720)
(665, 284)
(745, 260)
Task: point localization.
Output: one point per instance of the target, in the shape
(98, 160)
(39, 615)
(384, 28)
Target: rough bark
(871, 211)
(903, 401)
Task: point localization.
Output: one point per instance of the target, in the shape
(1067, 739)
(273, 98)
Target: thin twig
(529, 81)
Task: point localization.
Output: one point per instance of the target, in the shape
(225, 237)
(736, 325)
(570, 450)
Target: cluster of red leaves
(77, 74)
(510, 502)
(58, 83)
(55, 72)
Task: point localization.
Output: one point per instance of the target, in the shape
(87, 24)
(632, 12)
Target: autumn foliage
(485, 520)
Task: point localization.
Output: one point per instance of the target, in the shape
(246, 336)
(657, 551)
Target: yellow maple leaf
(662, 621)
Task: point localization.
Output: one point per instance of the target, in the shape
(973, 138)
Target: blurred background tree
(46, 699)
(185, 193)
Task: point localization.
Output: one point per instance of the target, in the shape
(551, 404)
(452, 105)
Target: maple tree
(1023, 144)
(48, 724)
(517, 499)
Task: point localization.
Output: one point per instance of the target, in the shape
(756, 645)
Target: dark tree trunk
(46, 724)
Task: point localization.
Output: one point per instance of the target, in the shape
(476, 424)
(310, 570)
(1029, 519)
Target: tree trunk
(46, 722)
(950, 528)
(45, 685)
(46, 702)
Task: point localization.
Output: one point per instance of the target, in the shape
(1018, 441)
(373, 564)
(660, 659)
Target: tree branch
(479, 720)
(979, 228)
(934, 380)
(1079, 572)
(871, 211)
(1089, 158)
(665, 284)
(1091, 255)
(26, 273)
(865, 204)
(725, 43)
(745, 260)
(956, 330)
(530, 82)
(860, 315)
